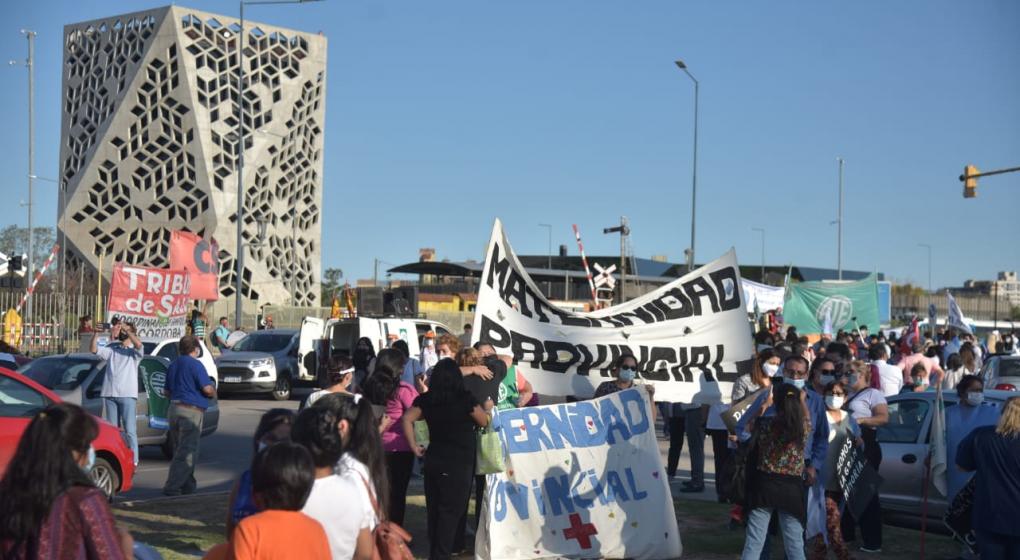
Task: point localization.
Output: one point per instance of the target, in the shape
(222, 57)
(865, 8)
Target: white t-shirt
(342, 524)
(891, 377)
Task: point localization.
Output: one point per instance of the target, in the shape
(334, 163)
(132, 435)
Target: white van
(321, 338)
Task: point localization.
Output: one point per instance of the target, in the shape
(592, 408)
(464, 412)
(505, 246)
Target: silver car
(905, 441)
(78, 379)
(1001, 371)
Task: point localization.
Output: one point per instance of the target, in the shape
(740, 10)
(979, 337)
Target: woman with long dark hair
(363, 459)
(777, 484)
(451, 413)
(363, 357)
(274, 427)
(385, 388)
(49, 507)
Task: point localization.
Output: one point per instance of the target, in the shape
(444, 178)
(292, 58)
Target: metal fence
(978, 307)
(53, 325)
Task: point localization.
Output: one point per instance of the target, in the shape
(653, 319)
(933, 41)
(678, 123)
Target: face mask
(90, 460)
(770, 369)
(975, 398)
(853, 380)
(826, 379)
(428, 342)
(919, 382)
(834, 402)
(627, 375)
(798, 383)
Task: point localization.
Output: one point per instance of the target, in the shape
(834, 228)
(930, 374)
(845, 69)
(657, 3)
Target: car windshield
(1009, 368)
(59, 372)
(263, 343)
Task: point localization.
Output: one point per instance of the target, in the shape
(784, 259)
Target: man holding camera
(120, 386)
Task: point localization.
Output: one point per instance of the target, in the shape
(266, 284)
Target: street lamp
(30, 65)
(762, 231)
(241, 37)
(694, 179)
(839, 221)
(930, 294)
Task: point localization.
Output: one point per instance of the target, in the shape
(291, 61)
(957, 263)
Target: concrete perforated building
(149, 144)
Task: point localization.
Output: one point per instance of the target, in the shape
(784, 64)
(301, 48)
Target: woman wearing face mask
(870, 410)
(961, 420)
(274, 427)
(823, 372)
(764, 368)
(50, 507)
(841, 426)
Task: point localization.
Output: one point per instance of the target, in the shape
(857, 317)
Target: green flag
(807, 304)
(153, 375)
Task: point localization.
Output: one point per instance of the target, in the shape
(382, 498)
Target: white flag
(956, 316)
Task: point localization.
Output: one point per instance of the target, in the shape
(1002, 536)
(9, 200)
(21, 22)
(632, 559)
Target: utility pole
(30, 65)
(624, 230)
(375, 272)
(839, 220)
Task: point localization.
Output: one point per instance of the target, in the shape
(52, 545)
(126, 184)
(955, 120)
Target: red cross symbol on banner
(580, 531)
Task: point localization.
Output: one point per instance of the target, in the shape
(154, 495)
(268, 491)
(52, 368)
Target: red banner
(201, 258)
(156, 300)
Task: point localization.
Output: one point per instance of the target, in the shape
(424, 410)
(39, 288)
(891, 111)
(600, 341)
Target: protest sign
(583, 480)
(767, 297)
(156, 300)
(955, 318)
(731, 416)
(690, 337)
(858, 481)
(809, 303)
(154, 378)
(201, 258)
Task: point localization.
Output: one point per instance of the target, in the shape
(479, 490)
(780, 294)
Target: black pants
(399, 465)
(676, 443)
(871, 520)
(722, 457)
(995, 546)
(447, 491)
(460, 543)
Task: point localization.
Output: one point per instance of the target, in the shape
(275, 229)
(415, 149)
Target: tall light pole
(839, 226)
(762, 231)
(241, 39)
(694, 179)
(30, 65)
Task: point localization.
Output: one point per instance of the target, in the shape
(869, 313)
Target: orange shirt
(279, 534)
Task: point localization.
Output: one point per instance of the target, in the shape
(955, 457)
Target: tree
(330, 284)
(14, 241)
(1015, 313)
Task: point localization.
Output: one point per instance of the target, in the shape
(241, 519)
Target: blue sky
(441, 116)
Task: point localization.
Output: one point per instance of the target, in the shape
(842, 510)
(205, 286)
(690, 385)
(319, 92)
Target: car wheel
(282, 390)
(105, 477)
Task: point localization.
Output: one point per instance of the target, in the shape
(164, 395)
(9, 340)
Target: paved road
(225, 454)
(222, 456)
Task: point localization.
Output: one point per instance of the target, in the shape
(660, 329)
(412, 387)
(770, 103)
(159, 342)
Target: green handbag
(490, 452)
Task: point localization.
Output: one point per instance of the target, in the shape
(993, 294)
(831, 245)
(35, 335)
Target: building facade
(1005, 286)
(149, 144)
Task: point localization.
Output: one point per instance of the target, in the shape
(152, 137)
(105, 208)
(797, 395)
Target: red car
(21, 398)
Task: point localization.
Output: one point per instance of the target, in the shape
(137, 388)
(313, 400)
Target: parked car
(21, 398)
(78, 379)
(261, 362)
(1001, 371)
(168, 349)
(905, 441)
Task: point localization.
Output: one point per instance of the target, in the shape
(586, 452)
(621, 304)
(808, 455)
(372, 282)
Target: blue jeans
(758, 528)
(120, 411)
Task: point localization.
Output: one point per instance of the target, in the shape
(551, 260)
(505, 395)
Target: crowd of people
(331, 479)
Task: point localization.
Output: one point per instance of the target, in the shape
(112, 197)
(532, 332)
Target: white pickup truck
(321, 338)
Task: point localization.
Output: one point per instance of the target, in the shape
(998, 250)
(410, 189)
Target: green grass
(187, 527)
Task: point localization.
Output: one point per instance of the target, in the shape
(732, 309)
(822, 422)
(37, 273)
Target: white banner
(691, 337)
(768, 297)
(955, 318)
(583, 480)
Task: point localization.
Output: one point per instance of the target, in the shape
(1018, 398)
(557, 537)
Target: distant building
(1005, 286)
(149, 145)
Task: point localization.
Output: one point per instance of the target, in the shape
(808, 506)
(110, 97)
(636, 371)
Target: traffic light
(970, 181)
(15, 264)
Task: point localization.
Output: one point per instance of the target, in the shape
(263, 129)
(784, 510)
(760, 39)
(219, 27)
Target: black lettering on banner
(494, 334)
(858, 481)
(697, 288)
(527, 350)
(553, 349)
(497, 270)
(677, 305)
(658, 309)
(657, 355)
(720, 277)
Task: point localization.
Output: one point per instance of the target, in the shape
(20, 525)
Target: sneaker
(870, 550)
(691, 489)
